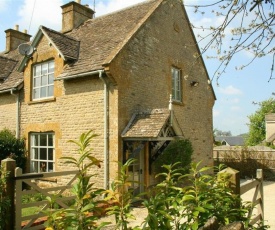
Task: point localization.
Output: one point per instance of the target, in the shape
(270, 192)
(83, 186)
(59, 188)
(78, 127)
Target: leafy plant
(12, 147)
(178, 151)
(172, 206)
(164, 203)
(4, 200)
(121, 195)
(210, 195)
(83, 213)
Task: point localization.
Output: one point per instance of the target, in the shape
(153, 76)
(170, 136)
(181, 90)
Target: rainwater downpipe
(106, 131)
(17, 112)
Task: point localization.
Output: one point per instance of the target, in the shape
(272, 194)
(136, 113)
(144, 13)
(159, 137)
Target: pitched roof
(103, 37)
(14, 79)
(150, 124)
(6, 66)
(231, 140)
(67, 46)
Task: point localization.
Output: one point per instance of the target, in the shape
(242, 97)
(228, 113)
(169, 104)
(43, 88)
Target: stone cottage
(113, 74)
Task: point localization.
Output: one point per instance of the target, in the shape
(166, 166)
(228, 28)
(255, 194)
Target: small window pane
(36, 82)
(43, 92)
(35, 153)
(44, 80)
(51, 78)
(51, 67)
(50, 166)
(37, 71)
(43, 166)
(34, 140)
(34, 166)
(43, 154)
(50, 140)
(43, 140)
(50, 90)
(36, 93)
(44, 68)
(50, 154)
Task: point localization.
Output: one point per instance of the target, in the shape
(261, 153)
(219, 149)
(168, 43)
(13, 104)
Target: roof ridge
(59, 33)
(3, 57)
(121, 10)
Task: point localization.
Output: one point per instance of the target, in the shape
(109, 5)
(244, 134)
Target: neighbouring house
(270, 127)
(230, 140)
(113, 74)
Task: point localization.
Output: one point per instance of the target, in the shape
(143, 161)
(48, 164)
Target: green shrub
(12, 147)
(122, 196)
(174, 207)
(177, 151)
(82, 214)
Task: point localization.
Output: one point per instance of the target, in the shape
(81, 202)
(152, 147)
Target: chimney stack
(14, 38)
(74, 14)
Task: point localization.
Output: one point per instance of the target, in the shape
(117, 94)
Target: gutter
(106, 117)
(80, 75)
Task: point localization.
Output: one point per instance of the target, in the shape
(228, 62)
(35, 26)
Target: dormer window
(43, 80)
(176, 84)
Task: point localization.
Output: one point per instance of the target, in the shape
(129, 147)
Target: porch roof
(153, 124)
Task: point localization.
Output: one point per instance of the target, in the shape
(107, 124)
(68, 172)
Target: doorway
(136, 172)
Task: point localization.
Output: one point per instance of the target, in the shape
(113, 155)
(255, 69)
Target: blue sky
(235, 93)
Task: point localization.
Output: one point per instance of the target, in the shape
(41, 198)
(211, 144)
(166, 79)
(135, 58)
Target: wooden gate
(57, 193)
(258, 196)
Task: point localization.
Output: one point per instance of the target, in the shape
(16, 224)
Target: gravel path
(269, 208)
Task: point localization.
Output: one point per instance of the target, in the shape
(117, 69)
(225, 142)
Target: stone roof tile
(15, 78)
(6, 66)
(68, 46)
(147, 124)
(101, 38)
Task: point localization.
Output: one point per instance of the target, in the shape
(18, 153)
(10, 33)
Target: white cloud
(110, 6)
(216, 113)
(3, 5)
(230, 90)
(33, 13)
(235, 108)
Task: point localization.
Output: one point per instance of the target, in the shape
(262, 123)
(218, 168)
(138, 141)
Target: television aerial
(25, 49)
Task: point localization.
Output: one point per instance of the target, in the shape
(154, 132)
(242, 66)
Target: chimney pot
(16, 27)
(78, 1)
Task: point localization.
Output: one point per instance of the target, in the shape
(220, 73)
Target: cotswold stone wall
(8, 112)
(77, 107)
(143, 71)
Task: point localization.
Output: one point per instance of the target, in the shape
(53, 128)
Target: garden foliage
(84, 213)
(12, 147)
(180, 201)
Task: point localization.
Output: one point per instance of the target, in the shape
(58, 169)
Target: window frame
(37, 149)
(176, 84)
(43, 90)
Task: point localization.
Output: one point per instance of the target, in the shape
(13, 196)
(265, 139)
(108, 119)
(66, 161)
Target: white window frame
(176, 85)
(43, 80)
(39, 151)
